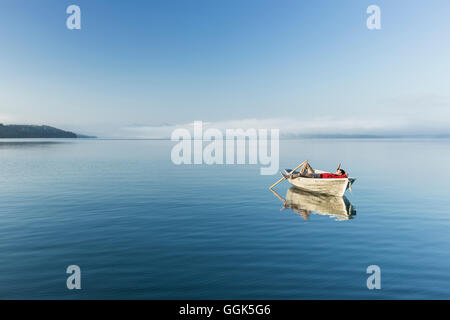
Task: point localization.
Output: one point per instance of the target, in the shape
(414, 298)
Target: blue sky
(157, 64)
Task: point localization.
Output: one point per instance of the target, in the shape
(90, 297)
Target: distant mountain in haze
(32, 131)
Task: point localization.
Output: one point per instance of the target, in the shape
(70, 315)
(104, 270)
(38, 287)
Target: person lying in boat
(308, 172)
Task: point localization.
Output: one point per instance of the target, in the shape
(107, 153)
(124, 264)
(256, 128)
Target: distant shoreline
(18, 131)
(288, 139)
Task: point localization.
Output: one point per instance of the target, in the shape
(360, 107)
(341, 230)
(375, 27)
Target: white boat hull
(334, 187)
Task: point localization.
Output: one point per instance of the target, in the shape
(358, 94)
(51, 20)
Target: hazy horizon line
(289, 129)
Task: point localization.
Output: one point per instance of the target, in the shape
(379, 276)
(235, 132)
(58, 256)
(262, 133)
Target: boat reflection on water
(304, 203)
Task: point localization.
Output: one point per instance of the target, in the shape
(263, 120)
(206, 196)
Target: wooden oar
(339, 166)
(278, 196)
(291, 172)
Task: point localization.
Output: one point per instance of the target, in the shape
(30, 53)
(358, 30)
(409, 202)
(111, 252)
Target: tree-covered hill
(30, 131)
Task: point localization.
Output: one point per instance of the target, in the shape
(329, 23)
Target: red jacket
(332, 176)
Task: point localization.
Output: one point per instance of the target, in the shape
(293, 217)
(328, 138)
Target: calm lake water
(141, 227)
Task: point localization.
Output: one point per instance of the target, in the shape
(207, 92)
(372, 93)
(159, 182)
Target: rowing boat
(334, 186)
